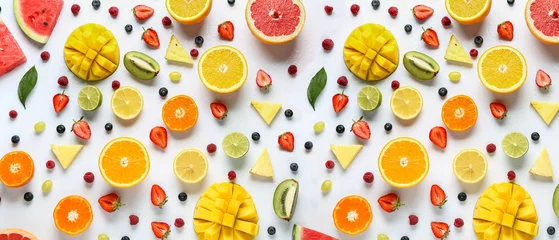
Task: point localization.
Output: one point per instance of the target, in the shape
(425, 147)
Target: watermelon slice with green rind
(11, 54)
(303, 233)
(37, 18)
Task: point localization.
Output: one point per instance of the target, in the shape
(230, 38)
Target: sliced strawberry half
(438, 136)
(263, 79)
(543, 80)
(498, 110)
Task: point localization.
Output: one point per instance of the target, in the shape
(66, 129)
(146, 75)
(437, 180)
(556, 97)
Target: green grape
(382, 236)
(175, 76)
(454, 76)
(319, 127)
(47, 186)
(39, 126)
(326, 186)
(103, 236)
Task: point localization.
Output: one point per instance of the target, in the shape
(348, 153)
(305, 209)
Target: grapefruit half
(542, 18)
(14, 233)
(275, 21)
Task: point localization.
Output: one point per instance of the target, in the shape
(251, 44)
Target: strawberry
(506, 30)
(150, 38)
(287, 141)
(390, 202)
(226, 30)
(142, 12)
(339, 101)
(438, 196)
(440, 229)
(498, 110)
(429, 36)
(422, 12)
(110, 202)
(158, 196)
(542, 79)
(59, 101)
(158, 136)
(263, 79)
(438, 136)
(161, 230)
(361, 129)
(219, 110)
(81, 129)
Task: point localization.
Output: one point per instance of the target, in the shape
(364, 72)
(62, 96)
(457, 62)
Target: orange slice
(459, 113)
(16, 169)
(352, 215)
(403, 162)
(180, 113)
(73, 215)
(124, 162)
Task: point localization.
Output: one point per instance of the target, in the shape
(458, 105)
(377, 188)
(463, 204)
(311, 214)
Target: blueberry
(163, 92)
(96, 4)
(255, 136)
(108, 127)
(294, 167)
(182, 196)
(28, 196)
(0, 9)
(462, 196)
(375, 4)
(405, 238)
(407, 28)
(340, 128)
(125, 238)
(388, 127)
(478, 41)
(60, 129)
(271, 230)
(550, 230)
(288, 113)
(128, 28)
(510, 1)
(199, 40)
(231, 2)
(443, 92)
(15, 139)
(308, 145)
(535, 136)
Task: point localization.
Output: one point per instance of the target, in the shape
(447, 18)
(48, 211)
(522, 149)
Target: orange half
(124, 162)
(459, 113)
(73, 215)
(403, 162)
(352, 215)
(16, 169)
(180, 113)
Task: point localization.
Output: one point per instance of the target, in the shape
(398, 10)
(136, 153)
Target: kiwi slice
(420, 65)
(285, 199)
(141, 65)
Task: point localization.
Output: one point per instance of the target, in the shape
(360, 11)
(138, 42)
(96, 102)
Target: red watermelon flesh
(11, 55)
(37, 18)
(303, 233)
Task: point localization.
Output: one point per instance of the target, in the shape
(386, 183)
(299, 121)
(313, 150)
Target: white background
(314, 209)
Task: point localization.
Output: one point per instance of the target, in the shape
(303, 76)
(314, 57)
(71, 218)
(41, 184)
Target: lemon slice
(190, 166)
(90, 98)
(235, 145)
(470, 166)
(223, 69)
(369, 98)
(406, 103)
(189, 12)
(127, 103)
(468, 12)
(502, 69)
(515, 145)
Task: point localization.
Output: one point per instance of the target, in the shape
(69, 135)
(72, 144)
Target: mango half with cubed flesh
(226, 211)
(91, 52)
(505, 211)
(371, 52)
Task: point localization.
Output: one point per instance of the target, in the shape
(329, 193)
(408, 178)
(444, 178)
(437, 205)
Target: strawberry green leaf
(317, 84)
(27, 84)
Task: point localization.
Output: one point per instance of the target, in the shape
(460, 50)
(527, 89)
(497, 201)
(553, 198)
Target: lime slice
(235, 145)
(90, 98)
(515, 145)
(470, 166)
(369, 98)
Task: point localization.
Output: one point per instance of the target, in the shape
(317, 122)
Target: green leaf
(317, 84)
(26, 84)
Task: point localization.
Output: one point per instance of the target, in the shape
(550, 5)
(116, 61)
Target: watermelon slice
(303, 233)
(11, 55)
(37, 18)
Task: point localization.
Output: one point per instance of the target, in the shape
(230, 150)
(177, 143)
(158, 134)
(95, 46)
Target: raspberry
(328, 9)
(211, 148)
(330, 164)
(231, 175)
(395, 85)
(413, 220)
(368, 177)
(354, 9)
(445, 21)
(511, 175)
(88, 177)
(458, 222)
(115, 84)
(50, 164)
(166, 21)
(13, 114)
(63, 81)
(473, 53)
(342, 81)
(491, 148)
(75, 9)
(134, 220)
(194, 53)
(45, 56)
(393, 11)
(113, 11)
(179, 222)
(292, 70)
(327, 44)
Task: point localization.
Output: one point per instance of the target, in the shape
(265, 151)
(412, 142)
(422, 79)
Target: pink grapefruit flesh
(275, 21)
(11, 54)
(37, 18)
(542, 18)
(16, 234)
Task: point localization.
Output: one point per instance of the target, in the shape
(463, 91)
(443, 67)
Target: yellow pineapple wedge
(176, 53)
(226, 211)
(505, 211)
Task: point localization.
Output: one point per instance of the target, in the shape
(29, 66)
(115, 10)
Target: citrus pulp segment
(16, 169)
(90, 98)
(275, 21)
(73, 215)
(352, 215)
(189, 12)
(190, 166)
(403, 162)
(515, 145)
(127, 103)
(180, 113)
(124, 162)
(371, 52)
(459, 113)
(468, 12)
(235, 144)
(541, 17)
(223, 69)
(15, 233)
(406, 103)
(502, 69)
(470, 166)
(369, 98)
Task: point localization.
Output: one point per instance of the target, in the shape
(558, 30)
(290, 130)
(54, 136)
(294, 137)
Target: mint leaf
(317, 84)
(27, 84)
